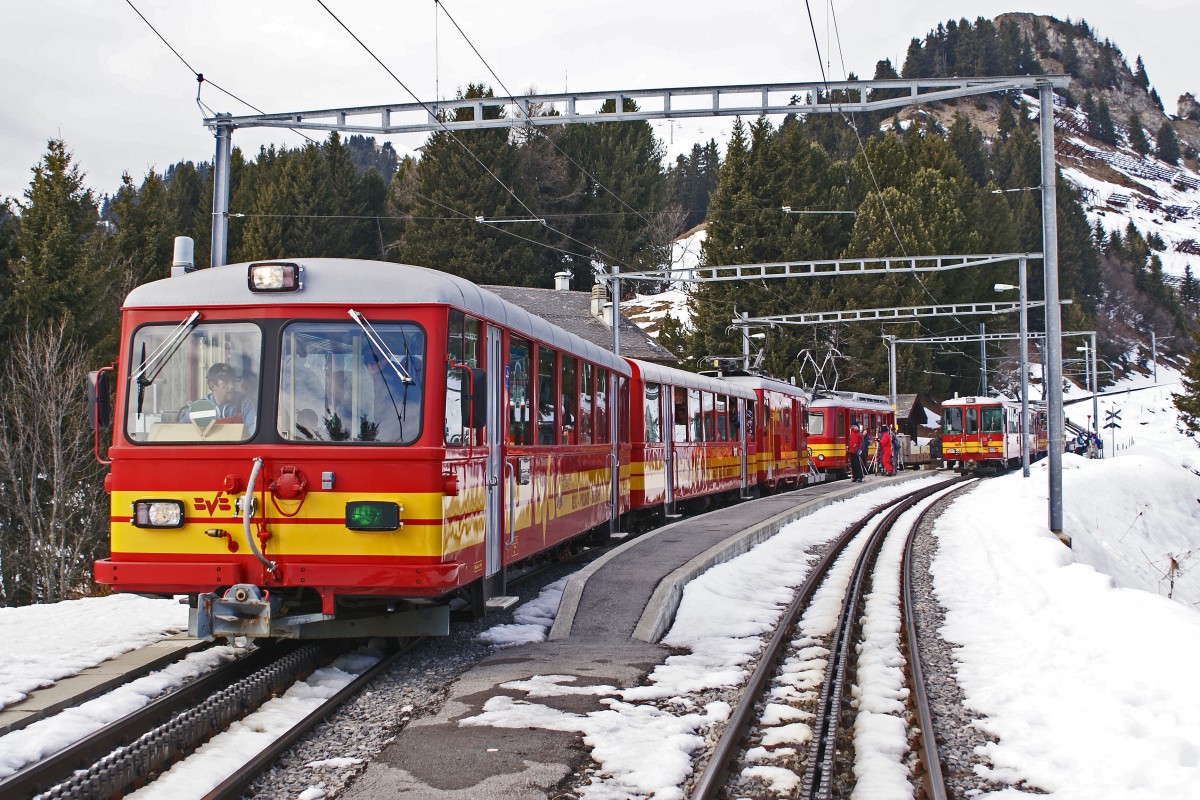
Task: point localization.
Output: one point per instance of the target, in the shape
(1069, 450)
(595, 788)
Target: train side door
(494, 525)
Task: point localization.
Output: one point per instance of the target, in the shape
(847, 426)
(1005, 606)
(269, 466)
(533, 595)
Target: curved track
(825, 764)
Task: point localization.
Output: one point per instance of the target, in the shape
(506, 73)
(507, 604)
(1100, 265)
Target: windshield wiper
(377, 344)
(158, 360)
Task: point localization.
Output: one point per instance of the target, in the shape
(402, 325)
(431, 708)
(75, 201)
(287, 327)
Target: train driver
(224, 392)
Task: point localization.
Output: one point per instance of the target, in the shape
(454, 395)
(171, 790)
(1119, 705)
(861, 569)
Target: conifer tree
(62, 268)
(1167, 144)
(1137, 136)
(1140, 76)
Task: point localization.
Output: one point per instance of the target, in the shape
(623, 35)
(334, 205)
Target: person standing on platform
(885, 451)
(854, 454)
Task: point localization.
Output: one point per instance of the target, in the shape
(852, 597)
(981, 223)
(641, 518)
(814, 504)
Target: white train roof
(657, 373)
(858, 400)
(363, 284)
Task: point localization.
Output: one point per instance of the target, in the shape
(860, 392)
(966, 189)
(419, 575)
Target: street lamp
(1022, 287)
(1089, 356)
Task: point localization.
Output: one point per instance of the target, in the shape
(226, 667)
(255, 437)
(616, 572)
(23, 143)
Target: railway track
(132, 751)
(827, 762)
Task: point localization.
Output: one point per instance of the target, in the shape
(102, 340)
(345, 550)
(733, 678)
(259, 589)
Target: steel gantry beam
(901, 313)
(826, 268)
(808, 97)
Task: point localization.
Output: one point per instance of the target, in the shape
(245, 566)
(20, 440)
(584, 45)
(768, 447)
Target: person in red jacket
(885, 451)
(853, 446)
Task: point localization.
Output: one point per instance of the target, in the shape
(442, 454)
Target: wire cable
(437, 117)
(199, 76)
(535, 129)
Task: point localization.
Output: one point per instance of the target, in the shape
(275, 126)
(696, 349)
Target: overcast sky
(93, 73)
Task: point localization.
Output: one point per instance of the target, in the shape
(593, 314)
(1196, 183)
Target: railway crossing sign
(1113, 421)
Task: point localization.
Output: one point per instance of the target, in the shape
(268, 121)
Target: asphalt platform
(611, 617)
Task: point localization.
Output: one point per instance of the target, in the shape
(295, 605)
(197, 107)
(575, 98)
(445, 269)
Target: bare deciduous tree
(52, 505)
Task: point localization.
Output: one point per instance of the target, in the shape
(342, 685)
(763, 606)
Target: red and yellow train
(326, 448)
(986, 432)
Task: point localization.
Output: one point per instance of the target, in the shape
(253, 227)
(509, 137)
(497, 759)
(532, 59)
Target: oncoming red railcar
(985, 432)
(394, 437)
(830, 416)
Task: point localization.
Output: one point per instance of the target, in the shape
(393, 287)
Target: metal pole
(1053, 309)
(220, 223)
(1025, 426)
(892, 368)
(745, 341)
(982, 360)
(1095, 390)
(614, 408)
(1154, 354)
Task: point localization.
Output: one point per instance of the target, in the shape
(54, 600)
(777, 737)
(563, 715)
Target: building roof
(572, 311)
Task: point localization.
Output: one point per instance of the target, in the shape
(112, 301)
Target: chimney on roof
(562, 281)
(601, 309)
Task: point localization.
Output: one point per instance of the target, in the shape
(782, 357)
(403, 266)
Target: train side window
(787, 423)
(841, 424)
(602, 434)
(545, 395)
(462, 350)
(735, 419)
(652, 413)
(971, 420)
(751, 419)
(568, 394)
(816, 423)
(585, 403)
(722, 418)
(679, 395)
(695, 421)
(709, 415)
(517, 380)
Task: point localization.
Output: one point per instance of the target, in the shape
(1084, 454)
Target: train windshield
(952, 420)
(194, 382)
(816, 423)
(992, 420)
(337, 385)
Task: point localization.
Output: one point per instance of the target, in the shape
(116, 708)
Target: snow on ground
(1075, 661)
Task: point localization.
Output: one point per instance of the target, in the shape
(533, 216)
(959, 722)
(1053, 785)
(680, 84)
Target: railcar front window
(816, 423)
(992, 420)
(200, 385)
(952, 421)
(971, 421)
(335, 385)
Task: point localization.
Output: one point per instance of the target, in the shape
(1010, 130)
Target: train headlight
(372, 515)
(158, 514)
(280, 277)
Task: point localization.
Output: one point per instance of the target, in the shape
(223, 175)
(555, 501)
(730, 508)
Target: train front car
(329, 448)
(985, 432)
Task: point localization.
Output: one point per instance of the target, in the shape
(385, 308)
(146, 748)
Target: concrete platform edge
(660, 611)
